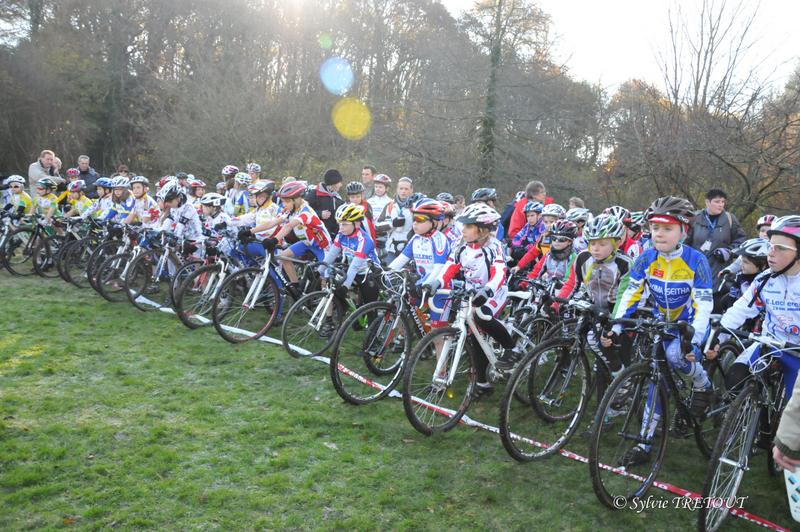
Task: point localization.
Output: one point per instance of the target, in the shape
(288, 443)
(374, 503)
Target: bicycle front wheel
(730, 458)
(241, 311)
(553, 381)
(148, 281)
(310, 326)
(45, 254)
(74, 260)
(434, 399)
(109, 278)
(629, 436)
(194, 300)
(19, 251)
(368, 353)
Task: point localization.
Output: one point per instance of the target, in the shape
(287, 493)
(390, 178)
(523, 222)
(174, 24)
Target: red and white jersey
(147, 211)
(480, 266)
(311, 228)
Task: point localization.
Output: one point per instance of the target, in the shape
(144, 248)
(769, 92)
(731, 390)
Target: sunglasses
(421, 219)
(561, 239)
(781, 247)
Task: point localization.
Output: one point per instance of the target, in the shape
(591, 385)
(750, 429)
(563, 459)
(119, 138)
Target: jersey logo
(658, 273)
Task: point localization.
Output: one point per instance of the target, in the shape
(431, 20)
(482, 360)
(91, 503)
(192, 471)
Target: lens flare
(336, 75)
(351, 118)
(325, 41)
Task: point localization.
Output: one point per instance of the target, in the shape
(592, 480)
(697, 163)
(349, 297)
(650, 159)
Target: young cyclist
(121, 201)
(550, 213)
(312, 236)
(179, 217)
(751, 258)
(145, 209)
(102, 205)
(481, 262)
(215, 218)
(354, 243)
(630, 246)
(488, 196)
(763, 225)
(20, 200)
(73, 174)
(775, 293)
(196, 189)
(264, 220)
(447, 225)
(355, 196)
(238, 199)
(428, 248)
(78, 202)
(556, 262)
(579, 216)
(46, 203)
(679, 282)
(528, 236)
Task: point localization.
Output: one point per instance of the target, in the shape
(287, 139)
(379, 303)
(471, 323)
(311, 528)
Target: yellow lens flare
(351, 118)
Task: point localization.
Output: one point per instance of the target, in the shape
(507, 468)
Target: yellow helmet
(350, 213)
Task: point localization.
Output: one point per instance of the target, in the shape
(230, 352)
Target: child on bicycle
(579, 216)
(214, 218)
(78, 202)
(238, 202)
(179, 217)
(46, 203)
(102, 205)
(630, 246)
(550, 213)
(121, 201)
(428, 248)
(262, 222)
(679, 281)
(556, 262)
(481, 262)
(20, 200)
(751, 257)
(355, 195)
(528, 236)
(775, 293)
(447, 225)
(145, 209)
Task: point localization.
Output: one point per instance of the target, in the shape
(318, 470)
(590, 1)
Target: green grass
(110, 417)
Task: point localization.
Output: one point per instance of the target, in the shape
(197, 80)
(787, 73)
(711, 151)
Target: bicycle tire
(229, 311)
(194, 300)
(108, 282)
(301, 336)
(18, 252)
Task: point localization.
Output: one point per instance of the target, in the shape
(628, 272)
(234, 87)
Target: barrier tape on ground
(468, 421)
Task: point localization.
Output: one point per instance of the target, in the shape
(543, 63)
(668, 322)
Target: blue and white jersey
(429, 253)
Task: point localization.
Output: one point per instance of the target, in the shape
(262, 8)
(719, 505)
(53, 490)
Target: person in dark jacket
(89, 176)
(715, 232)
(325, 199)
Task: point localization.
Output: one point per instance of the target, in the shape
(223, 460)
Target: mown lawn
(110, 417)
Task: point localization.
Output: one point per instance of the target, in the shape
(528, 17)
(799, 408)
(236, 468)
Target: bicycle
(630, 403)
(758, 404)
(440, 374)
(75, 256)
(20, 245)
(149, 276)
(370, 347)
(109, 280)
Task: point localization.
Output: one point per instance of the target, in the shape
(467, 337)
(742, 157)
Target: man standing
(368, 180)
(88, 175)
(533, 191)
(43, 167)
(325, 199)
(715, 232)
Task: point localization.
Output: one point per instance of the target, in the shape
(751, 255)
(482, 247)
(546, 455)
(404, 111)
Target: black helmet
(415, 197)
(445, 196)
(678, 208)
(354, 187)
(484, 194)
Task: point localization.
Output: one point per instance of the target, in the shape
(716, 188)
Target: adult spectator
(43, 167)
(715, 232)
(89, 175)
(395, 221)
(576, 203)
(325, 199)
(122, 171)
(533, 191)
(368, 174)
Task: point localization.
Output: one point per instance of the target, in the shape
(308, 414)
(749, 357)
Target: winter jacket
(321, 199)
(724, 234)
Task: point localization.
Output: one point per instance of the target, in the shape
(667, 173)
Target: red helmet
(166, 179)
(383, 178)
(292, 189)
(430, 208)
(193, 183)
(449, 210)
(72, 172)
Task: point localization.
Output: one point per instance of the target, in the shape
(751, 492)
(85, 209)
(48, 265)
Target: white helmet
(554, 209)
(479, 214)
(15, 179)
(578, 214)
(212, 199)
(120, 182)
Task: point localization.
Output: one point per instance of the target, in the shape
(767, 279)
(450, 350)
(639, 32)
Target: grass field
(110, 417)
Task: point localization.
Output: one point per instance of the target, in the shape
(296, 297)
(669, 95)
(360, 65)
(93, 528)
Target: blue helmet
(533, 206)
(103, 182)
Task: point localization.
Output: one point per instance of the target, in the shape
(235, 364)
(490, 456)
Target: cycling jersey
(99, 208)
(358, 250)
(184, 222)
(580, 244)
(481, 266)
(679, 283)
(120, 210)
(146, 211)
(80, 205)
(453, 234)
(397, 235)
(261, 215)
(604, 281)
(378, 203)
(429, 253)
(527, 236)
(632, 248)
(211, 221)
(541, 247)
(238, 202)
(553, 267)
(23, 199)
(43, 204)
(311, 230)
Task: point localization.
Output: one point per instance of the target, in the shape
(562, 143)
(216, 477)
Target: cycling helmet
(564, 228)
(618, 212)
(449, 209)
(243, 178)
(195, 183)
(786, 226)
(578, 214)
(636, 220)
(171, 190)
(212, 199)
(166, 179)
(670, 209)
(384, 179)
(554, 209)
(429, 207)
(754, 248)
(292, 189)
(121, 182)
(767, 219)
(254, 168)
(533, 206)
(479, 214)
(103, 182)
(181, 175)
(354, 187)
(230, 170)
(15, 179)
(484, 194)
(445, 196)
(603, 226)
(72, 172)
(76, 186)
(415, 197)
(46, 183)
(262, 186)
(350, 212)
(140, 179)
